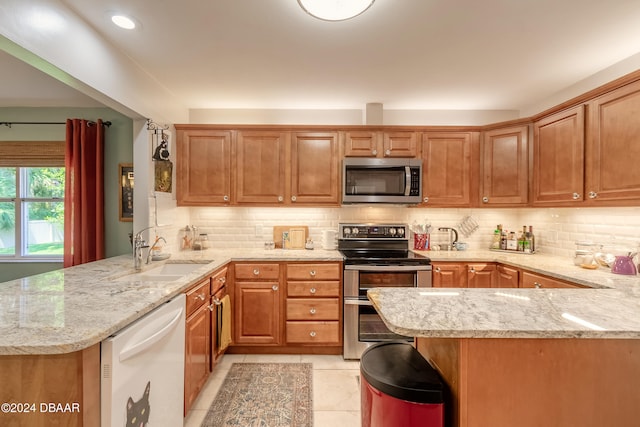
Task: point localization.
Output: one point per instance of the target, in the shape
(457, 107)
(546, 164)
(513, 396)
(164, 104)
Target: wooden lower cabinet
(533, 280)
(507, 277)
(482, 275)
(537, 382)
(257, 313)
(197, 360)
(449, 275)
(57, 378)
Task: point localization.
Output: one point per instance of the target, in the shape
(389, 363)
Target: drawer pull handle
(217, 301)
(274, 287)
(312, 311)
(211, 307)
(199, 297)
(256, 272)
(537, 285)
(312, 273)
(312, 290)
(312, 334)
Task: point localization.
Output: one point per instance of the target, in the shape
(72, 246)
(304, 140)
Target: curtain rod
(9, 124)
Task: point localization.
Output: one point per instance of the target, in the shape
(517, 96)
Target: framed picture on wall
(125, 201)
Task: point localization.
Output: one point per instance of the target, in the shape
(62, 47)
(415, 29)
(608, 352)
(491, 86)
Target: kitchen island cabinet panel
(538, 382)
(203, 168)
(613, 148)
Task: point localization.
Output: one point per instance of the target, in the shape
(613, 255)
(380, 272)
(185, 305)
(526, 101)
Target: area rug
(264, 395)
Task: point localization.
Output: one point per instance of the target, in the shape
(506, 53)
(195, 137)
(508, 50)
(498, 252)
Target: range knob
(355, 230)
(392, 231)
(347, 231)
(400, 231)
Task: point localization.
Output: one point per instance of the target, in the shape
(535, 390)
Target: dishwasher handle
(139, 347)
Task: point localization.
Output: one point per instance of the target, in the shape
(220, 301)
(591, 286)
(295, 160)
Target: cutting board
(298, 235)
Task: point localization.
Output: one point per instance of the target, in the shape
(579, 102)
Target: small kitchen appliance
(395, 181)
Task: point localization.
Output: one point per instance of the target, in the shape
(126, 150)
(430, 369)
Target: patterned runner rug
(264, 395)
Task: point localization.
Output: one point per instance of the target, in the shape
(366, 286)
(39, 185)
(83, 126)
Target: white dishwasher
(142, 370)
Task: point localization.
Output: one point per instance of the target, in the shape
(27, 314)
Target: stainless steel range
(376, 255)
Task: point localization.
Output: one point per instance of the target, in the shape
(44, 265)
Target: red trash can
(399, 388)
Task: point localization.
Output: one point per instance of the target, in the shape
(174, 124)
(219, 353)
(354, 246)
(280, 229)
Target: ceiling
(405, 54)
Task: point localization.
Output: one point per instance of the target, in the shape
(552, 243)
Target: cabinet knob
(312, 311)
(387, 153)
(485, 199)
(294, 198)
(222, 279)
(274, 287)
(425, 199)
(593, 194)
(537, 285)
(312, 334)
(280, 198)
(437, 270)
(225, 198)
(374, 152)
(312, 273)
(576, 196)
(256, 272)
(312, 290)
(472, 270)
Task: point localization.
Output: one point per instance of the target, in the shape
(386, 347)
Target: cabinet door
(505, 167)
(532, 280)
(314, 168)
(399, 144)
(197, 354)
(257, 313)
(558, 158)
(508, 277)
(449, 275)
(447, 168)
(361, 144)
(260, 167)
(203, 168)
(613, 147)
(482, 276)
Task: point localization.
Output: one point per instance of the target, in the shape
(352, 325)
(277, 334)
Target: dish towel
(225, 330)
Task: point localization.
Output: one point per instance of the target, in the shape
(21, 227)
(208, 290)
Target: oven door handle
(388, 268)
(357, 302)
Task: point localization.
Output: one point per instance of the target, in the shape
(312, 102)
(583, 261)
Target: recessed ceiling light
(123, 22)
(335, 10)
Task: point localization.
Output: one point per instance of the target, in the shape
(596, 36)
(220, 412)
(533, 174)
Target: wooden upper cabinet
(558, 158)
(203, 167)
(449, 168)
(505, 166)
(260, 167)
(613, 147)
(314, 168)
(381, 144)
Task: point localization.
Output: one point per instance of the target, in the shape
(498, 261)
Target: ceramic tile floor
(336, 392)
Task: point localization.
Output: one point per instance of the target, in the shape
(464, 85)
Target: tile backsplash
(556, 229)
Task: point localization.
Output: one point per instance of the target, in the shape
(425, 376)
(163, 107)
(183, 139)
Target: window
(31, 201)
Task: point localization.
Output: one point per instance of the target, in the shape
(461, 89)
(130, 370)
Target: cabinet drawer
(197, 296)
(257, 271)
(313, 332)
(313, 309)
(530, 280)
(313, 289)
(218, 280)
(324, 271)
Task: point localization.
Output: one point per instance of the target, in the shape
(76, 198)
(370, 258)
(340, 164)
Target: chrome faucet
(153, 246)
(138, 245)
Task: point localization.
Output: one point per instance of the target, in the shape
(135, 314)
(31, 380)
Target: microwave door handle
(407, 180)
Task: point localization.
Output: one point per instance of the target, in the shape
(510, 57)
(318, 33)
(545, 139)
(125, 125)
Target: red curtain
(84, 192)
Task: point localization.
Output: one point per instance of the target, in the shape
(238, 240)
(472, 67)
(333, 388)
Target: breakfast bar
(527, 357)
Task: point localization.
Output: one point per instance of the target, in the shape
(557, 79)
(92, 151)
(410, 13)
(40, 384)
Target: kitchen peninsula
(528, 357)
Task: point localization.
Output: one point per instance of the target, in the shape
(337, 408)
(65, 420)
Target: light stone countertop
(611, 309)
(74, 308)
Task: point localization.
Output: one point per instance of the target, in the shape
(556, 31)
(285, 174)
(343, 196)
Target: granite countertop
(74, 308)
(610, 309)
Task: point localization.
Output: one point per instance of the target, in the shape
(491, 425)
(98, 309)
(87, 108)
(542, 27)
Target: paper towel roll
(329, 239)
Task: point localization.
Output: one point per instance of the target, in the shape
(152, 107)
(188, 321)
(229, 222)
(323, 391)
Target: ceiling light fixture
(123, 22)
(335, 10)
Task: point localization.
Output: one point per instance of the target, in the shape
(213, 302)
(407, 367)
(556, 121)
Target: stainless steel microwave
(397, 180)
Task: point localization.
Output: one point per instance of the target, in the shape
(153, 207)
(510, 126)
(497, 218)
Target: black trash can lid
(399, 370)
